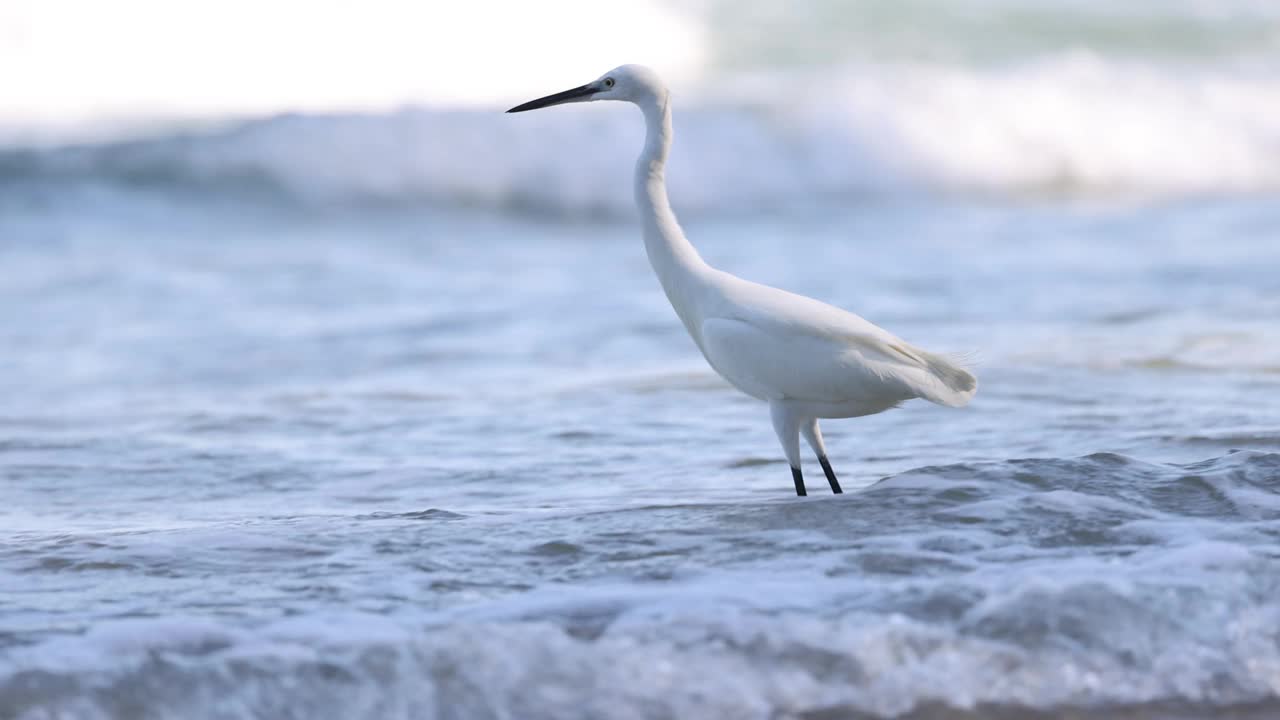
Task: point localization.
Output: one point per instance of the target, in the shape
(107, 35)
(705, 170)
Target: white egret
(807, 359)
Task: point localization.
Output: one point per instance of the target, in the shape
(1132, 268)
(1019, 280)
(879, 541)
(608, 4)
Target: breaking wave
(1100, 586)
(1075, 125)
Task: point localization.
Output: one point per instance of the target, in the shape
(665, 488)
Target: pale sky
(70, 61)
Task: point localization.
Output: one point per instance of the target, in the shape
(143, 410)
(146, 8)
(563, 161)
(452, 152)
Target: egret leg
(787, 425)
(831, 474)
(813, 434)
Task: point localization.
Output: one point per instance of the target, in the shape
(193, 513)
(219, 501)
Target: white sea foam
(644, 653)
(1076, 125)
(888, 601)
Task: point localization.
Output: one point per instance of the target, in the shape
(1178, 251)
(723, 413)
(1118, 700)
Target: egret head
(630, 83)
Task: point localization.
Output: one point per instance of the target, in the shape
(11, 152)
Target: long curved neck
(674, 259)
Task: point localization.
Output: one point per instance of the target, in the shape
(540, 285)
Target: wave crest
(1074, 126)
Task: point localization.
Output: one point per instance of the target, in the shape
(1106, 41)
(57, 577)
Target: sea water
(385, 416)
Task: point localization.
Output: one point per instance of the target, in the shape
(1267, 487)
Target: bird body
(807, 359)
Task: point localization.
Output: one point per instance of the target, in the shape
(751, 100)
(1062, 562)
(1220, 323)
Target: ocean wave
(726, 664)
(1075, 125)
(1098, 586)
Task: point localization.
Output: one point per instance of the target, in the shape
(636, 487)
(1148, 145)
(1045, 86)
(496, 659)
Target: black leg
(831, 474)
(795, 475)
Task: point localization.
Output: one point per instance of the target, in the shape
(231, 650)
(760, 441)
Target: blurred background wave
(838, 100)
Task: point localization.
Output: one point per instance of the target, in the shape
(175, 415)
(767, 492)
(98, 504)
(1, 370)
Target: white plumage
(807, 359)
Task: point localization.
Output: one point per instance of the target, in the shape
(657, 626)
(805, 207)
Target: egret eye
(608, 82)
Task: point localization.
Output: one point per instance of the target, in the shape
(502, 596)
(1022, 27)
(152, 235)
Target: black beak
(579, 92)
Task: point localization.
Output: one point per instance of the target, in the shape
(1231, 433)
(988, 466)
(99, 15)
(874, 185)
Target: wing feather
(784, 346)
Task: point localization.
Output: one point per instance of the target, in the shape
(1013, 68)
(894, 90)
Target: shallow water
(273, 460)
(383, 414)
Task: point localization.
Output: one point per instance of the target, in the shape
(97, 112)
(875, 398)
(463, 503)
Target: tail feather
(954, 385)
